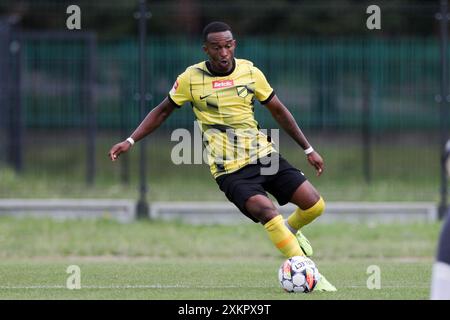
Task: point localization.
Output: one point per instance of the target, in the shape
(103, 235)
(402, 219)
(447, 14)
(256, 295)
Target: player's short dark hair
(215, 26)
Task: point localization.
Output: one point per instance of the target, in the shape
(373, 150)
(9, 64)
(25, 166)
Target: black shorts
(248, 181)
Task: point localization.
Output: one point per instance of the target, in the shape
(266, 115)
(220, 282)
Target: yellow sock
(282, 238)
(300, 218)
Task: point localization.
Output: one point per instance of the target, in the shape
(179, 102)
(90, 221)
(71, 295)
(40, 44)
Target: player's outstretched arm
(152, 121)
(285, 119)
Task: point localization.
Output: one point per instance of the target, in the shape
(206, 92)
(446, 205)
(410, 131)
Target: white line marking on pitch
(159, 286)
(152, 286)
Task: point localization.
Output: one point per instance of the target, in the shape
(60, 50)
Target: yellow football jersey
(224, 108)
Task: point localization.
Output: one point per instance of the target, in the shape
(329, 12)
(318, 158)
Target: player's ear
(205, 48)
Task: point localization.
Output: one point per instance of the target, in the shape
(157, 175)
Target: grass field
(175, 261)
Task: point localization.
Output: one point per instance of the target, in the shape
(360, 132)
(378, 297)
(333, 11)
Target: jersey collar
(218, 74)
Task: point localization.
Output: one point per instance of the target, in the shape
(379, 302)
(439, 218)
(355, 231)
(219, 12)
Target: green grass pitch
(174, 261)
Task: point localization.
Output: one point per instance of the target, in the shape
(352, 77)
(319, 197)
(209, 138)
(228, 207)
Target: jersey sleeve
(180, 92)
(263, 90)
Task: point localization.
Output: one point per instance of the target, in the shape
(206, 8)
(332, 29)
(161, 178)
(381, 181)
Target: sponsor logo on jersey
(222, 84)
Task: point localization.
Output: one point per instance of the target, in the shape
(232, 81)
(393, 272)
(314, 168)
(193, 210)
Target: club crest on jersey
(242, 91)
(218, 84)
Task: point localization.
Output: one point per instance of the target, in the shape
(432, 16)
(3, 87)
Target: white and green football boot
(324, 285)
(304, 243)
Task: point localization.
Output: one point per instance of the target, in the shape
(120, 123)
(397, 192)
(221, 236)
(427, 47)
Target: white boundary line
(160, 286)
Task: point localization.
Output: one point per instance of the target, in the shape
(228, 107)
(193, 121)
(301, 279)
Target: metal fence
(368, 100)
(321, 81)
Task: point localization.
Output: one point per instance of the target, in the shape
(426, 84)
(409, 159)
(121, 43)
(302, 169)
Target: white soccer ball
(298, 274)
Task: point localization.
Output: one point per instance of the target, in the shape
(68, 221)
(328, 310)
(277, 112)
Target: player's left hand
(316, 161)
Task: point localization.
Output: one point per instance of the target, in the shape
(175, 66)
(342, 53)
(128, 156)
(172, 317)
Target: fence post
(443, 98)
(4, 86)
(142, 208)
(13, 105)
(366, 131)
(91, 66)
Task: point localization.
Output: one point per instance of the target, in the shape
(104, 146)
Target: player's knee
(318, 208)
(265, 213)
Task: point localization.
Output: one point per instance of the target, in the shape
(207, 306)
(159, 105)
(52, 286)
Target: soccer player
(440, 282)
(222, 92)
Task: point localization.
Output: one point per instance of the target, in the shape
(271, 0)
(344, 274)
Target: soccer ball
(298, 274)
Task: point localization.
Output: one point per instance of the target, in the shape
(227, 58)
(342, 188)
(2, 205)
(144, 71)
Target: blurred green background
(364, 98)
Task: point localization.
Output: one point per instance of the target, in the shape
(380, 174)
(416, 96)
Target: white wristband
(309, 150)
(130, 140)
